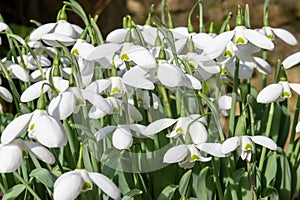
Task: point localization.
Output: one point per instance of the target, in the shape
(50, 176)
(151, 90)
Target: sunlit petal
(264, 141)
(258, 39)
(285, 35)
(270, 93)
(176, 154)
(159, 125)
(10, 158)
(34, 91)
(122, 138)
(291, 60)
(5, 94)
(230, 144)
(40, 152)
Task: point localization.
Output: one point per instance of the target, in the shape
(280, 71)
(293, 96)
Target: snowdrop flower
(40, 126)
(121, 134)
(17, 71)
(72, 183)
(283, 34)
(144, 99)
(185, 155)
(244, 145)
(3, 27)
(5, 94)
(298, 127)
(61, 31)
(12, 151)
(291, 60)
(192, 125)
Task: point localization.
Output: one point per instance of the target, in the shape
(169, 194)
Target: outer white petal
(105, 184)
(230, 144)
(263, 66)
(34, 91)
(291, 60)
(298, 127)
(68, 186)
(202, 40)
(42, 30)
(5, 94)
(285, 35)
(15, 128)
(180, 32)
(122, 138)
(159, 125)
(270, 93)
(213, 149)
(10, 158)
(180, 45)
(176, 154)
(117, 36)
(295, 87)
(264, 141)
(136, 77)
(103, 50)
(192, 82)
(3, 26)
(96, 113)
(258, 39)
(40, 152)
(49, 132)
(98, 86)
(134, 113)
(140, 55)
(62, 106)
(198, 133)
(97, 101)
(225, 102)
(169, 75)
(19, 72)
(103, 132)
(54, 39)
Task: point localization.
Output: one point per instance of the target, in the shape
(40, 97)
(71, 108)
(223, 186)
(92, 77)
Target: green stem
(34, 194)
(217, 180)
(233, 102)
(293, 133)
(163, 8)
(71, 144)
(201, 27)
(264, 76)
(267, 134)
(229, 170)
(57, 160)
(164, 94)
(4, 180)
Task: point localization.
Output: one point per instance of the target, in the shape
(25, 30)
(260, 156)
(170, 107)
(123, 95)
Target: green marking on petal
(125, 57)
(115, 90)
(79, 102)
(24, 154)
(192, 65)
(270, 36)
(285, 94)
(240, 41)
(223, 71)
(140, 100)
(179, 130)
(75, 51)
(31, 127)
(248, 147)
(194, 157)
(228, 53)
(86, 186)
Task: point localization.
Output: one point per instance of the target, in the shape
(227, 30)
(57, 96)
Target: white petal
(140, 55)
(135, 77)
(291, 60)
(180, 32)
(295, 87)
(213, 149)
(225, 102)
(202, 40)
(103, 132)
(169, 75)
(105, 184)
(264, 141)
(97, 101)
(19, 72)
(134, 113)
(263, 66)
(68, 186)
(96, 113)
(103, 50)
(230, 144)
(15, 128)
(34, 91)
(176, 154)
(258, 39)
(10, 158)
(41, 30)
(198, 133)
(122, 138)
(159, 125)
(49, 132)
(5, 94)
(117, 36)
(298, 127)
(285, 35)
(180, 45)
(98, 86)
(270, 93)
(62, 106)
(52, 38)
(40, 152)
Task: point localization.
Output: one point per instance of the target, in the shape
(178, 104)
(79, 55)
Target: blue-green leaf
(14, 192)
(132, 193)
(185, 184)
(44, 176)
(168, 192)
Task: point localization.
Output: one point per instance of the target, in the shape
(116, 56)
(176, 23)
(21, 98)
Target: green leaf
(269, 193)
(168, 192)
(270, 168)
(200, 186)
(44, 176)
(185, 184)
(284, 185)
(245, 185)
(132, 193)
(14, 192)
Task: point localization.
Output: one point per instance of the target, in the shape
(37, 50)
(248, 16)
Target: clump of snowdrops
(151, 112)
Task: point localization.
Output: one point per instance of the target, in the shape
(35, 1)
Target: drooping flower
(72, 183)
(283, 34)
(244, 145)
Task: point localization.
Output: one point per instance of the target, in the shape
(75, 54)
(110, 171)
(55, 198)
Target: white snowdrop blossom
(244, 145)
(17, 71)
(70, 184)
(5, 94)
(3, 27)
(185, 155)
(283, 34)
(11, 153)
(40, 126)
